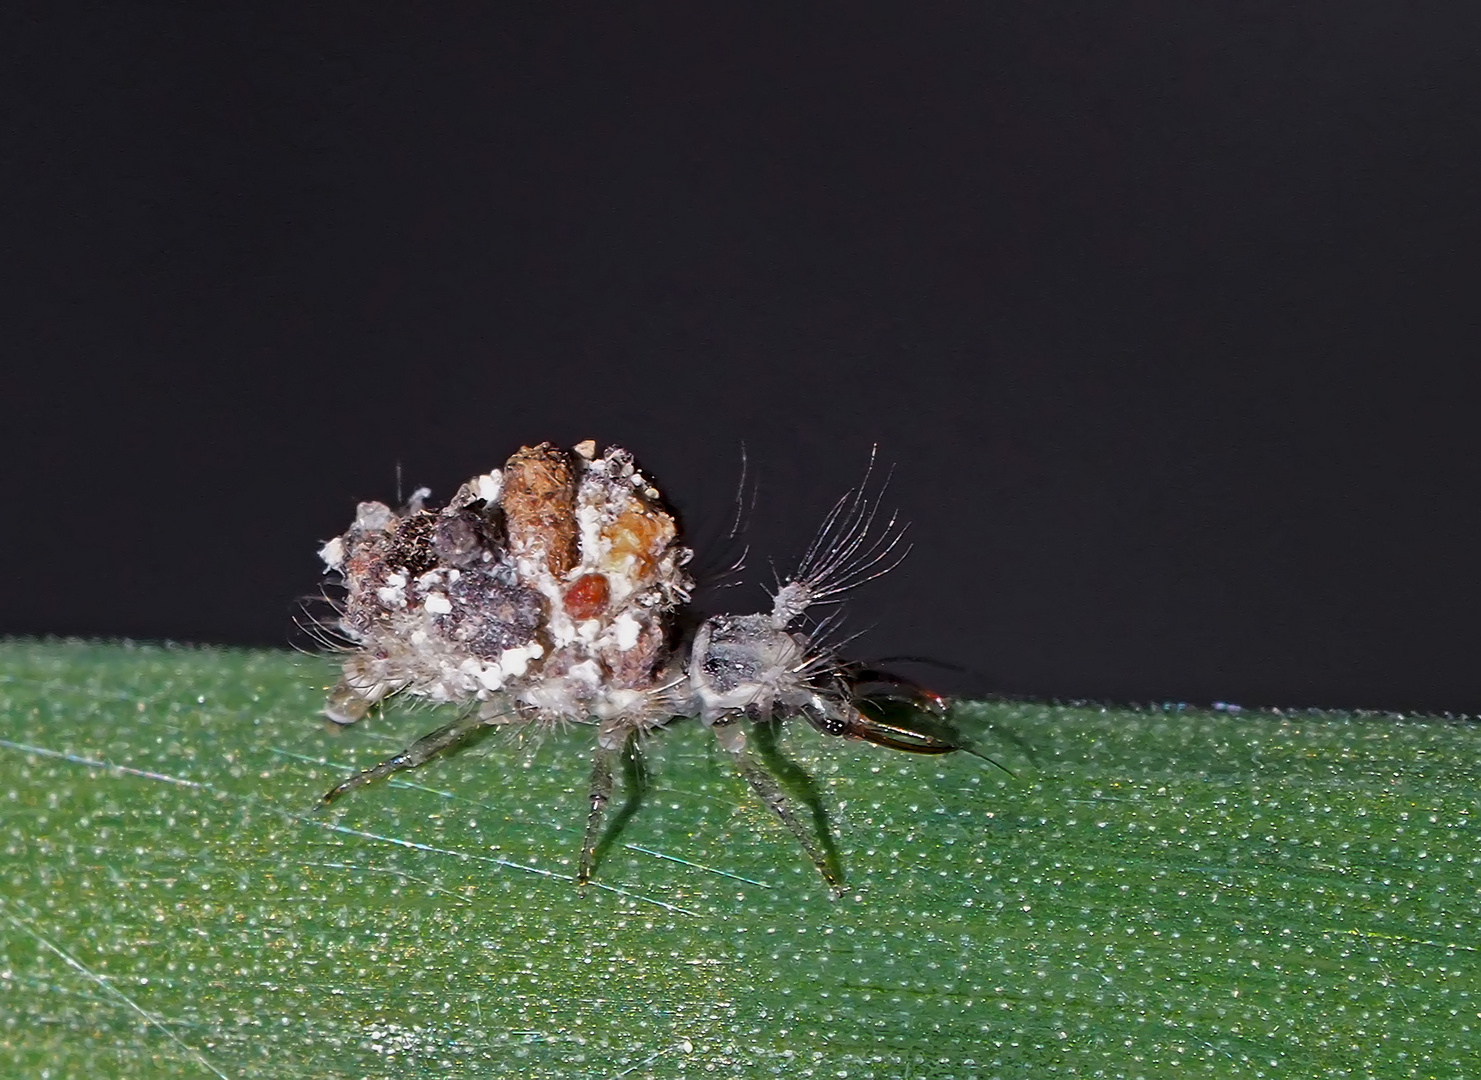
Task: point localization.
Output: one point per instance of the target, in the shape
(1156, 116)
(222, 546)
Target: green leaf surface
(1156, 893)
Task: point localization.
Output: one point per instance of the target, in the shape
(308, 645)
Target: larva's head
(747, 664)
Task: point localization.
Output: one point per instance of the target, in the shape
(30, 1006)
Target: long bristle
(848, 550)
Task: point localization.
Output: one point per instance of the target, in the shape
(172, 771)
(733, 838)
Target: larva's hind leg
(418, 753)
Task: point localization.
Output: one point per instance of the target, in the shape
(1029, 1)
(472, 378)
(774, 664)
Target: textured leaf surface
(1157, 893)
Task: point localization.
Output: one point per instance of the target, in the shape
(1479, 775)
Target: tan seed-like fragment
(644, 534)
(539, 502)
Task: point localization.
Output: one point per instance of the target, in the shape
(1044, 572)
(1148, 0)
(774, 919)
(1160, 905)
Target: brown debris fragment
(411, 549)
(635, 667)
(539, 502)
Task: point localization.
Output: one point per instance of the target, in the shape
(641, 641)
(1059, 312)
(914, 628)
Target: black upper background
(1164, 312)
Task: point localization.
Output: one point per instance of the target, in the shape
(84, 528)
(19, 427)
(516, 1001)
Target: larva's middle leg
(766, 787)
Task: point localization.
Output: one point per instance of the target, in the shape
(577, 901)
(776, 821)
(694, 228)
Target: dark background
(1164, 312)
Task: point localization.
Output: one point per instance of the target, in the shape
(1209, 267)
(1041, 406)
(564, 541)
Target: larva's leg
(418, 753)
(766, 787)
(350, 699)
(629, 749)
(601, 794)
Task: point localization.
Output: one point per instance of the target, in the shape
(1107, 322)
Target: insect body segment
(551, 591)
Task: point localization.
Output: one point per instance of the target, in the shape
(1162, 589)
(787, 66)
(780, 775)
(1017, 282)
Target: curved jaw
(896, 737)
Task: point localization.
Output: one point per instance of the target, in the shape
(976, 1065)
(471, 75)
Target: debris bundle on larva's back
(551, 589)
(551, 581)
